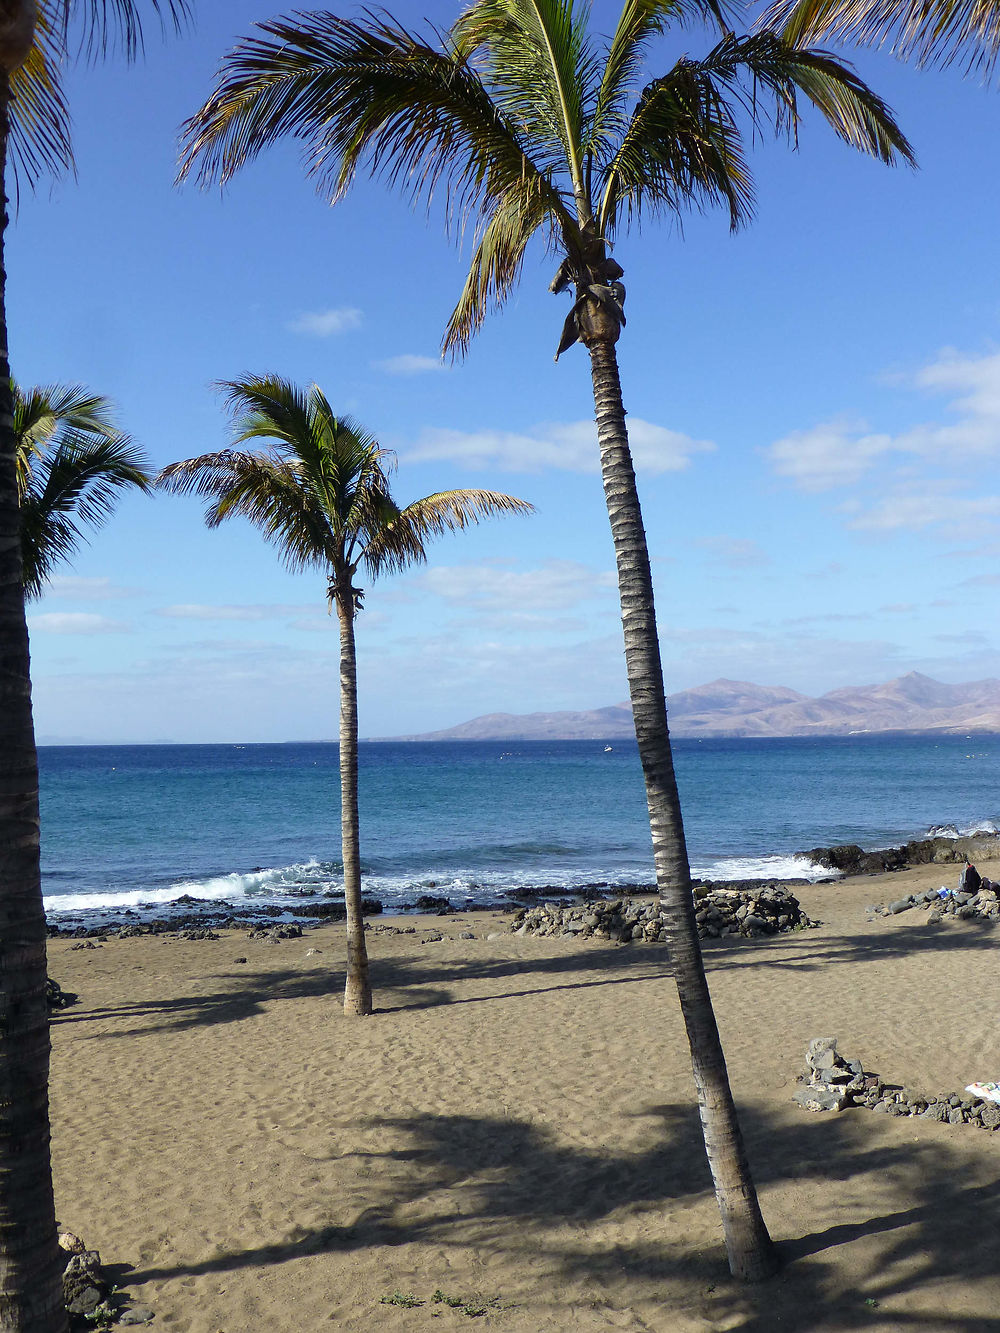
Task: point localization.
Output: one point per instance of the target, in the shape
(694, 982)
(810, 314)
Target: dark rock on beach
(851, 859)
(56, 997)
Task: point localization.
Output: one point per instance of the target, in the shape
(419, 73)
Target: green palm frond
(765, 62)
(267, 491)
(496, 264)
(376, 94)
(541, 68)
(682, 147)
(38, 116)
(932, 32)
(402, 541)
(639, 22)
(320, 490)
(72, 465)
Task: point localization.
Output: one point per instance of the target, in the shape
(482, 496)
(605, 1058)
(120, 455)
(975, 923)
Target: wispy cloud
(735, 552)
(925, 470)
(554, 586)
(325, 323)
(570, 446)
(261, 611)
(408, 363)
(74, 622)
(71, 587)
(836, 453)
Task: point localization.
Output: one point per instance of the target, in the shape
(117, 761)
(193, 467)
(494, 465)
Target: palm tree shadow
(466, 1181)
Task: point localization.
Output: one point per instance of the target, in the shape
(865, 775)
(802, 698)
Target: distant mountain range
(736, 708)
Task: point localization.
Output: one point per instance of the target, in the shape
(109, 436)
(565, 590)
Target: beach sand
(515, 1128)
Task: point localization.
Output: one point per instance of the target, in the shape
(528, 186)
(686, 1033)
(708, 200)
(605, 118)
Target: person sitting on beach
(971, 880)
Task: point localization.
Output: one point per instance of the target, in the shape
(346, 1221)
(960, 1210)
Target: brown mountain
(737, 708)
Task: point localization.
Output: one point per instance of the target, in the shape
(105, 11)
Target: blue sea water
(127, 826)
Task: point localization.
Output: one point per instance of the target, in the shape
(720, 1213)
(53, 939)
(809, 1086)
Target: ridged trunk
(30, 1262)
(358, 991)
(751, 1252)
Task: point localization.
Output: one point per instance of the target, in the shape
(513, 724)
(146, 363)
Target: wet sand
(515, 1128)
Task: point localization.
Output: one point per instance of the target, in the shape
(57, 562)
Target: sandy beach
(514, 1130)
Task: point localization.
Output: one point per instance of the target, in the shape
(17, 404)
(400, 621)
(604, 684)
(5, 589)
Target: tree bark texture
(30, 1263)
(358, 991)
(751, 1252)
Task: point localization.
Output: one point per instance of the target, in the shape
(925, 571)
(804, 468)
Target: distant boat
(607, 749)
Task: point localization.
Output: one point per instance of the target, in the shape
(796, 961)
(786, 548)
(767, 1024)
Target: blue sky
(814, 405)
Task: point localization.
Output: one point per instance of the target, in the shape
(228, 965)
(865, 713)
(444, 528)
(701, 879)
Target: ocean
(139, 826)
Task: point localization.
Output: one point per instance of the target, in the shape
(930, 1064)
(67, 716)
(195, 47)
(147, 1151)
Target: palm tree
(34, 140)
(71, 464)
(320, 492)
(531, 128)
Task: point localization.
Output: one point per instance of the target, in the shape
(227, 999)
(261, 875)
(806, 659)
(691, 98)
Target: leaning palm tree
(35, 37)
(320, 492)
(72, 463)
(531, 127)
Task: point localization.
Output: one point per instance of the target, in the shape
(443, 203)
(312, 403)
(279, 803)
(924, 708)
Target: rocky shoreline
(850, 859)
(190, 915)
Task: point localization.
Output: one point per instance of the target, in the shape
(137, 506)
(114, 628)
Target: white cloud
(410, 364)
(325, 323)
(933, 506)
(924, 468)
(571, 446)
(556, 585)
(72, 587)
(837, 453)
(74, 622)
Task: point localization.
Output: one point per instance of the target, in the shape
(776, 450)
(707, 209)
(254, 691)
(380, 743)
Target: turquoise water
(127, 825)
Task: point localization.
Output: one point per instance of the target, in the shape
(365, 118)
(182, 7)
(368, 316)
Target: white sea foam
(283, 882)
(763, 867)
(980, 828)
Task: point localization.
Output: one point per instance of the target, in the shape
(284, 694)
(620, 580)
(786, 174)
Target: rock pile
(766, 910)
(984, 905)
(830, 1083)
(274, 934)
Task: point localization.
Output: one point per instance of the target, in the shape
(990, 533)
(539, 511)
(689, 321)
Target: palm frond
(70, 477)
(496, 264)
(39, 135)
(682, 148)
(372, 93)
(764, 74)
(108, 26)
(402, 540)
(39, 411)
(932, 32)
(265, 490)
(638, 23)
(540, 66)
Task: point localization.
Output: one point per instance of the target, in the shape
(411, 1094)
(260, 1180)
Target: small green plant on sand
(474, 1309)
(439, 1298)
(401, 1298)
(103, 1315)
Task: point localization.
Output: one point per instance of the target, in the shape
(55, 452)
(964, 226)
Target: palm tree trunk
(30, 1266)
(751, 1252)
(358, 991)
